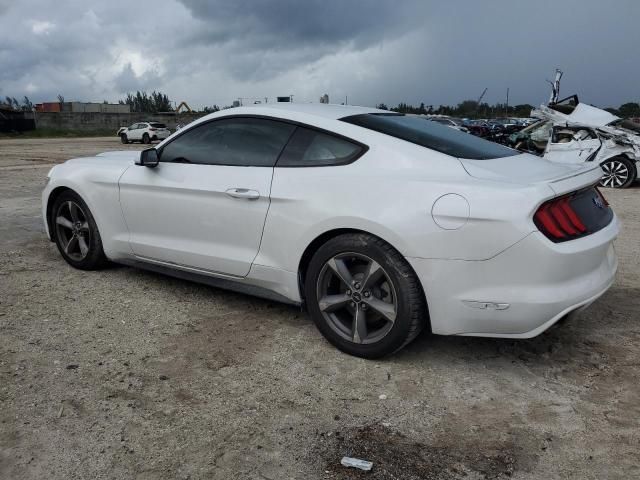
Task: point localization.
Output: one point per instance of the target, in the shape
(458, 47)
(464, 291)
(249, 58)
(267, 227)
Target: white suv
(144, 132)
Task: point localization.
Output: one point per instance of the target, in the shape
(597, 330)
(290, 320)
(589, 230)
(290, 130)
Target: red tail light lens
(572, 216)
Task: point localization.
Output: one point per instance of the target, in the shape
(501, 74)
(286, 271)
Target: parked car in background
(508, 125)
(450, 122)
(479, 128)
(574, 132)
(145, 132)
(380, 224)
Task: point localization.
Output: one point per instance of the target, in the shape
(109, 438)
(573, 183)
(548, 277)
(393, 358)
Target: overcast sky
(213, 51)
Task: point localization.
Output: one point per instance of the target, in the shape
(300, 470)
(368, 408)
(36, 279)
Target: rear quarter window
(312, 148)
(432, 135)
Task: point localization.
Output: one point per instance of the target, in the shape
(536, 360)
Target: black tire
(86, 233)
(123, 138)
(619, 172)
(402, 287)
(145, 138)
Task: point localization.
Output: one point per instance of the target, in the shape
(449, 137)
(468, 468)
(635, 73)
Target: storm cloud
(370, 51)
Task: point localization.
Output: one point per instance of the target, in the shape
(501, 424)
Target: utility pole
(506, 113)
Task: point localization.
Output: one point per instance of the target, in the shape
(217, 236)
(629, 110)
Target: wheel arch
(324, 237)
(627, 156)
(53, 196)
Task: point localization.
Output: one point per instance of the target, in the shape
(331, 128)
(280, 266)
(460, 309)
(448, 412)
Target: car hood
(112, 159)
(527, 169)
(583, 114)
(129, 154)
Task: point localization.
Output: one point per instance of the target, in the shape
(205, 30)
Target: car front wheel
(76, 233)
(619, 172)
(363, 296)
(123, 138)
(145, 138)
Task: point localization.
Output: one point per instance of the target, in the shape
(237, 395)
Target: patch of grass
(60, 133)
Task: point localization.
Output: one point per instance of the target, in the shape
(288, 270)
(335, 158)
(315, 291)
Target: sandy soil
(127, 374)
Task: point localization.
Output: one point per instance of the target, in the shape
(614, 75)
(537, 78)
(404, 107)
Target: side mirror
(148, 158)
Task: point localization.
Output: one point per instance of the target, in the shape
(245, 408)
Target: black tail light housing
(574, 215)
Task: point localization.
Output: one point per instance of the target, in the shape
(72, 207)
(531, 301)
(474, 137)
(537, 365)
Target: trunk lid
(526, 169)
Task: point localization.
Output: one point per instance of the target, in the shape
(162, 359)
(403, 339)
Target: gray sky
(213, 51)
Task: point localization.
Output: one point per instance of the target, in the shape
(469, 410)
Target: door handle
(243, 193)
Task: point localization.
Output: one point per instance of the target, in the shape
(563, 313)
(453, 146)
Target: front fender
(97, 185)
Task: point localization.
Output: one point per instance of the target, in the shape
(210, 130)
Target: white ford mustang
(380, 224)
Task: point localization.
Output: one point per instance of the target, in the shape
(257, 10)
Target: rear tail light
(574, 215)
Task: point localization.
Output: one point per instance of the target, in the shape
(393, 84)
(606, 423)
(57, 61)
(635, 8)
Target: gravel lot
(128, 374)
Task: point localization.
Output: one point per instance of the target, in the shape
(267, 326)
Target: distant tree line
(471, 109)
(155, 102)
(626, 110)
(25, 105)
(465, 109)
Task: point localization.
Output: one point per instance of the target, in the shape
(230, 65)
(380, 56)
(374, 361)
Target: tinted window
(157, 125)
(311, 148)
(247, 142)
(431, 135)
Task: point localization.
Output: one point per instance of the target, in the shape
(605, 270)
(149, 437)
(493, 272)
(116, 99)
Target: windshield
(431, 135)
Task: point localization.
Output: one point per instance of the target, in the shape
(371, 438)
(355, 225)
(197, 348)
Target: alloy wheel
(72, 230)
(616, 174)
(357, 298)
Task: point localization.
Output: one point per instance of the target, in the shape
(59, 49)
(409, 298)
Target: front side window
(431, 135)
(311, 148)
(246, 142)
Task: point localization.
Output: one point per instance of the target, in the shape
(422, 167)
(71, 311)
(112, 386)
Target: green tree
(630, 109)
(27, 106)
(144, 102)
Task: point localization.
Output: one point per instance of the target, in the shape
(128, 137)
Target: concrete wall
(107, 121)
(83, 107)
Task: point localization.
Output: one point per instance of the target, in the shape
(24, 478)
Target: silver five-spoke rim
(357, 298)
(72, 230)
(615, 175)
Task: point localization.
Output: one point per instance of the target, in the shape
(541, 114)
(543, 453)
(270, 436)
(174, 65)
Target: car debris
(356, 463)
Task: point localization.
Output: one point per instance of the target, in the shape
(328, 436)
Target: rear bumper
(522, 291)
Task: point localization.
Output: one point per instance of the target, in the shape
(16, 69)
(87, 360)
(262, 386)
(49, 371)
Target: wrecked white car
(572, 132)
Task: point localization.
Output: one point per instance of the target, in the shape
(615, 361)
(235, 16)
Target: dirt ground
(131, 375)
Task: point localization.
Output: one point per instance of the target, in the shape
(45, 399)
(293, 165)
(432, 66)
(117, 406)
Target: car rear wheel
(363, 296)
(123, 138)
(619, 172)
(145, 138)
(76, 233)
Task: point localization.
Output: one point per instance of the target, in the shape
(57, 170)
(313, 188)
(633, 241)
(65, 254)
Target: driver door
(134, 132)
(204, 206)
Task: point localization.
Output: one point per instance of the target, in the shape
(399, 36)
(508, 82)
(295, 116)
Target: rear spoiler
(588, 176)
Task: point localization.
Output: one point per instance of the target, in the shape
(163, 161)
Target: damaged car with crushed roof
(572, 132)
